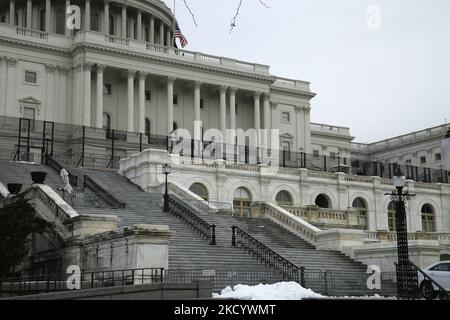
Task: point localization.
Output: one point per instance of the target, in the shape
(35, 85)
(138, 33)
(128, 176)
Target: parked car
(439, 272)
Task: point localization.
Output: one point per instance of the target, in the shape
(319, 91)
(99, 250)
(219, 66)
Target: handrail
(266, 255)
(110, 199)
(55, 165)
(441, 289)
(87, 280)
(187, 213)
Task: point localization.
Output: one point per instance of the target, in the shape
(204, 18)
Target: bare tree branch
(233, 21)
(190, 11)
(264, 4)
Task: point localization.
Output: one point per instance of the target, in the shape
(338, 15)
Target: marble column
(50, 111)
(77, 92)
(2, 86)
(67, 31)
(142, 76)
(169, 37)
(87, 15)
(130, 95)
(11, 101)
(223, 110)
(99, 110)
(48, 11)
(63, 99)
(197, 111)
(29, 13)
(12, 12)
(170, 82)
(257, 115)
(161, 33)
(87, 68)
(267, 120)
(124, 21)
(152, 30)
(106, 17)
(233, 108)
(139, 25)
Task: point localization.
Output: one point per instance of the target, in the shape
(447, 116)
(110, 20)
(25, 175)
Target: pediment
(286, 136)
(30, 100)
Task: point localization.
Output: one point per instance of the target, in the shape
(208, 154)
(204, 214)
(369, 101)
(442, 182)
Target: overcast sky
(379, 82)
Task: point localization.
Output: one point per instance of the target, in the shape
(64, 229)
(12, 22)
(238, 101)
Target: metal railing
(87, 280)
(107, 197)
(55, 165)
(443, 294)
(266, 255)
(187, 213)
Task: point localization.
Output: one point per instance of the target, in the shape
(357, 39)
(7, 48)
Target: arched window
(242, 202)
(95, 21)
(42, 20)
(284, 198)
(391, 216)
(322, 201)
(428, 218)
(60, 21)
(200, 190)
(175, 126)
(361, 212)
(111, 25)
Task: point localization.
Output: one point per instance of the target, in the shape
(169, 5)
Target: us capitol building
(108, 95)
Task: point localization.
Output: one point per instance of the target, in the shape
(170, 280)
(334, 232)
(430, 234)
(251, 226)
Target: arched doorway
(200, 190)
(361, 212)
(284, 199)
(242, 202)
(322, 201)
(428, 218)
(391, 216)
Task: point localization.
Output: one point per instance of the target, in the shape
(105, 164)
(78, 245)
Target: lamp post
(407, 282)
(166, 170)
(47, 142)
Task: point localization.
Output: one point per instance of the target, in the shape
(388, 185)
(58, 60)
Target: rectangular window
(423, 160)
(201, 103)
(333, 155)
(408, 162)
(30, 77)
(437, 157)
(236, 109)
(30, 114)
(148, 95)
(286, 150)
(316, 153)
(175, 99)
(285, 116)
(107, 89)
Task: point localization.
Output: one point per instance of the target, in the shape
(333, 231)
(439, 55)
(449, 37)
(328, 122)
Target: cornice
(303, 94)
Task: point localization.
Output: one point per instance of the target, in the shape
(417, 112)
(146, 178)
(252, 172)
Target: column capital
(142, 75)
(257, 94)
(131, 72)
(223, 89)
(63, 70)
(198, 84)
(101, 68)
(11, 61)
(50, 68)
(274, 105)
(266, 96)
(233, 90)
(87, 66)
(171, 79)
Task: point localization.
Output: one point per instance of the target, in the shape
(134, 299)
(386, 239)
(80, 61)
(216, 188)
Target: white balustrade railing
(32, 33)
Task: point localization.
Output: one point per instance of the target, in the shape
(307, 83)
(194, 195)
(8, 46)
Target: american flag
(179, 35)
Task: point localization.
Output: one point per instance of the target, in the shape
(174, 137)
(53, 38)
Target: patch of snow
(277, 291)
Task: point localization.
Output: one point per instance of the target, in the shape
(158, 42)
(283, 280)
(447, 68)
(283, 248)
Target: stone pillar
(152, 30)
(99, 113)
(2, 87)
(142, 76)
(50, 91)
(48, 11)
(169, 37)
(197, 112)
(106, 17)
(307, 114)
(130, 95)
(257, 116)
(161, 33)
(124, 21)
(267, 120)
(12, 12)
(139, 25)
(76, 96)
(87, 68)
(67, 31)
(87, 15)
(29, 13)
(223, 110)
(170, 81)
(11, 101)
(233, 108)
(63, 99)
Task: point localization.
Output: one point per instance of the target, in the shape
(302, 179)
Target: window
(316, 153)
(236, 109)
(3, 19)
(107, 89)
(408, 162)
(391, 216)
(285, 116)
(30, 114)
(242, 202)
(148, 95)
(423, 160)
(95, 21)
(111, 25)
(31, 77)
(437, 157)
(322, 201)
(106, 121)
(361, 212)
(333, 155)
(441, 267)
(42, 20)
(284, 198)
(175, 99)
(201, 104)
(428, 218)
(60, 21)
(199, 190)
(147, 127)
(286, 147)
(146, 35)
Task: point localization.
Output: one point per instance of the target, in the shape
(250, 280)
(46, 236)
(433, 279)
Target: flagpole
(173, 27)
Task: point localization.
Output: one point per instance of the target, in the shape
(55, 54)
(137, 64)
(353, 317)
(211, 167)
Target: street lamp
(166, 170)
(407, 282)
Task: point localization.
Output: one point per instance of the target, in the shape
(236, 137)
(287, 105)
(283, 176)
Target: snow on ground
(277, 291)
